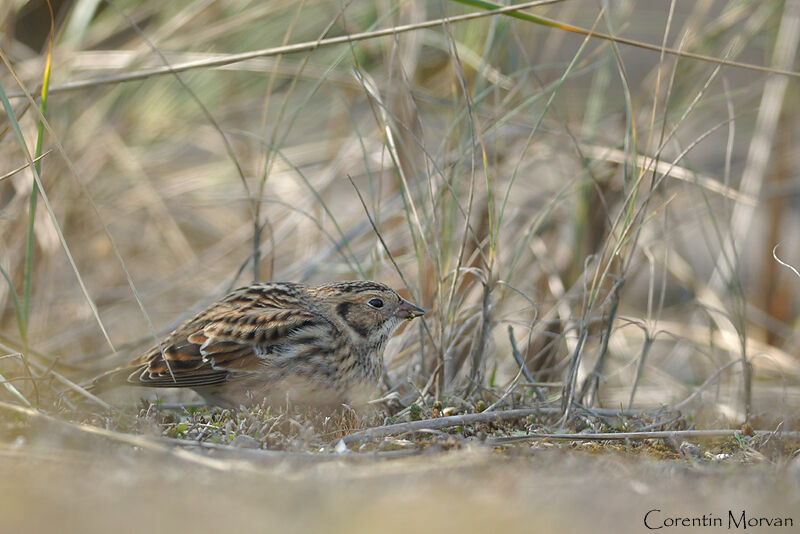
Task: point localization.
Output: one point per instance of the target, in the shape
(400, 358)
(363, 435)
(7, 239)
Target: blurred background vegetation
(615, 206)
(590, 223)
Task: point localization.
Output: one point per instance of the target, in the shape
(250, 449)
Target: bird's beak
(406, 310)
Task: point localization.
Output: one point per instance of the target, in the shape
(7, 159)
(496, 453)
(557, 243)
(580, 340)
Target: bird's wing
(216, 346)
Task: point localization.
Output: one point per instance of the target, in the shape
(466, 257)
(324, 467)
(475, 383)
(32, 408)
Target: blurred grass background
(616, 206)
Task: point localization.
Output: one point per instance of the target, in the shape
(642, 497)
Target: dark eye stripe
(342, 309)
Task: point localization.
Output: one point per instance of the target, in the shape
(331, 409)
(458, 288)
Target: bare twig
(619, 436)
(518, 357)
(592, 382)
(48, 370)
(462, 420)
(14, 391)
(440, 422)
(648, 343)
(568, 391)
(507, 393)
(9, 174)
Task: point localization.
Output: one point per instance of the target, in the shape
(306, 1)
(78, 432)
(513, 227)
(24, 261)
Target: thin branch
(619, 436)
(705, 384)
(524, 368)
(463, 420)
(9, 174)
(441, 422)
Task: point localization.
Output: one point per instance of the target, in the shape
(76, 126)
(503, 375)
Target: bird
(276, 343)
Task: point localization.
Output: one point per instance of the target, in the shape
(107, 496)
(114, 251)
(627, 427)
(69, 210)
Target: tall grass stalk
(29, 245)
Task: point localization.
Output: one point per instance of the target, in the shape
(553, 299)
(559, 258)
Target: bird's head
(370, 311)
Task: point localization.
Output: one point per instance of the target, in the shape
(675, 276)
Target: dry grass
(590, 224)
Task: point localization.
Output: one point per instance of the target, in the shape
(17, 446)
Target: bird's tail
(89, 391)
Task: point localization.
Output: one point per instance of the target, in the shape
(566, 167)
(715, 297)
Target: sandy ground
(127, 489)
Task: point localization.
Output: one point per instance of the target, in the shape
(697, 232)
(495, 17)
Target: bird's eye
(376, 303)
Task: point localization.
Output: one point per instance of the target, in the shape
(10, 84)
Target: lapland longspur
(275, 342)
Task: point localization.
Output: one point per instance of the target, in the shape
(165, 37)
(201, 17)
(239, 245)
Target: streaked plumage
(318, 345)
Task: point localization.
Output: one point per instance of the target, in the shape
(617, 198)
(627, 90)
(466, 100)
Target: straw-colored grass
(599, 227)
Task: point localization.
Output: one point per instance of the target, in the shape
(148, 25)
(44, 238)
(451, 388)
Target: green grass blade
(29, 244)
(15, 300)
(22, 312)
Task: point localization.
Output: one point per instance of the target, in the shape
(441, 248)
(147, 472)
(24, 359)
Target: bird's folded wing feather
(218, 346)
